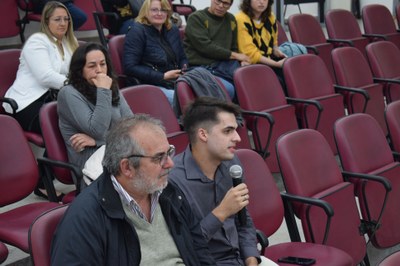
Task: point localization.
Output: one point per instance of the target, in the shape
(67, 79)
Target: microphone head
(235, 171)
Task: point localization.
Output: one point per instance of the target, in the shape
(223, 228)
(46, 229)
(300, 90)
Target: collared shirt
(133, 205)
(204, 195)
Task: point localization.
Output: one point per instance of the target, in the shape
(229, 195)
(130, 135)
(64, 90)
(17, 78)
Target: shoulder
(198, 15)
(230, 16)
(272, 17)
(242, 17)
(67, 90)
(36, 40)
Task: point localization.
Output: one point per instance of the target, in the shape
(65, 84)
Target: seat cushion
(323, 255)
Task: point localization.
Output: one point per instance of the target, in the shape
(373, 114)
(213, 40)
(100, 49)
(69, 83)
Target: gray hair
(120, 144)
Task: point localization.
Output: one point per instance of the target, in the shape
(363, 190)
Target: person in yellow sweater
(258, 34)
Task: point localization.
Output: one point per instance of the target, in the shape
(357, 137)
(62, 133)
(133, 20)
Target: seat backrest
(306, 76)
(282, 37)
(18, 169)
(357, 152)
(342, 24)
(351, 67)
(305, 151)
(260, 182)
(305, 29)
(383, 57)
(41, 234)
(3, 252)
(9, 62)
(352, 70)
(116, 50)
(309, 169)
(377, 19)
(9, 18)
(258, 89)
(392, 116)
(54, 142)
(149, 99)
(88, 6)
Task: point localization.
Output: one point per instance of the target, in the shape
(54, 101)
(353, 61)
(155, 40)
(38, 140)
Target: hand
(280, 63)
(278, 53)
(102, 81)
(240, 57)
(235, 199)
(251, 261)
(80, 141)
(172, 74)
(244, 63)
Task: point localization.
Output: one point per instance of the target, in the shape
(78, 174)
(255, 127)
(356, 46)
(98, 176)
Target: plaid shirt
(133, 205)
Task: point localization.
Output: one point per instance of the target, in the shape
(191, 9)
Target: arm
(92, 121)
(125, 110)
(40, 49)
(77, 241)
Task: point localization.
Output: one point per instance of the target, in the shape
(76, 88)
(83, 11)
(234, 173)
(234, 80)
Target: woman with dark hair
(90, 102)
(258, 34)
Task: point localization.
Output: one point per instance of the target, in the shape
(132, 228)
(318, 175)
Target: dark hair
(75, 75)
(203, 112)
(245, 6)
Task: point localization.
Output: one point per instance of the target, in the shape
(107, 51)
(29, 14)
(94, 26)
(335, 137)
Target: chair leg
(45, 175)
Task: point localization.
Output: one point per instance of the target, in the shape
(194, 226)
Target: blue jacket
(144, 56)
(95, 230)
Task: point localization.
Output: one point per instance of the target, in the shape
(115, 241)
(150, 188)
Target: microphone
(236, 172)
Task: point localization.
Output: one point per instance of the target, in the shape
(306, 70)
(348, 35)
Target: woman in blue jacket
(153, 51)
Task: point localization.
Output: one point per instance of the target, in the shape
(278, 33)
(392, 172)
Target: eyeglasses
(158, 11)
(160, 158)
(223, 3)
(58, 20)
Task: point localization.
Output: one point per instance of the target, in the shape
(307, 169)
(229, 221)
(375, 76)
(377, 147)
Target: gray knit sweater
(78, 115)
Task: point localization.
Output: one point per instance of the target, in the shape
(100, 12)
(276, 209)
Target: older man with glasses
(130, 215)
(211, 41)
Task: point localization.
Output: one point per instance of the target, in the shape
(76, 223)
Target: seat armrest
(375, 36)
(340, 42)
(375, 178)
(289, 198)
(364, 93)
(317, 104)
(314, 49)
(262, 240)
(47, 163)
(388, 80)
(11, 102)
(258, 116)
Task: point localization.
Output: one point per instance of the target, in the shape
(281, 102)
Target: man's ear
(125, 168)
(202, 134)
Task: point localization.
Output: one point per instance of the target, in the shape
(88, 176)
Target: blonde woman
(44, 64)
(153, 51)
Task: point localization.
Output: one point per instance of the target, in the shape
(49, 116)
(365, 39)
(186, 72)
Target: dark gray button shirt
(229, 242)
